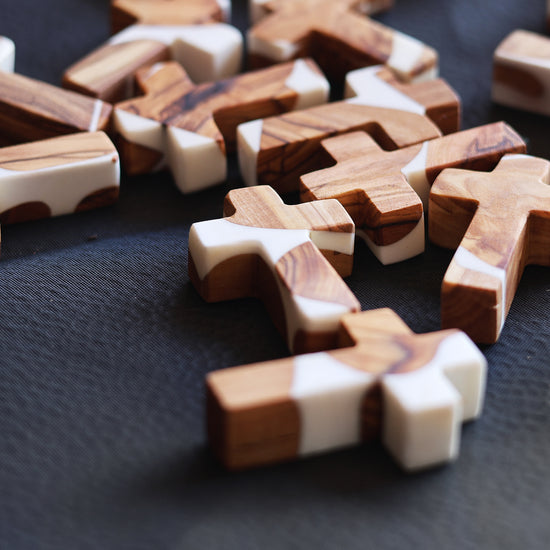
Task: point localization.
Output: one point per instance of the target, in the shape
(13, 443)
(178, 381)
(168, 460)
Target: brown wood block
(521, 73)
(58, 176)
(195, 123)
(338, 36)
(500, 222)
(164, 12)
(384, 191)
(31, 110)
(108, 72)
(278, 150)
(434, 98)
(266, 249)
(370, 387)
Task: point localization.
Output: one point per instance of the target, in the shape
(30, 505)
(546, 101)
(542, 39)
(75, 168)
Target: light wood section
(164, 12)
(31, 110)
(439, 100)
(380, 189)
(57, 176)
(258, 414)
(500, 222)
(277, 261)
(289, 145)
(338, 36)
(108, 73)
(521, 72)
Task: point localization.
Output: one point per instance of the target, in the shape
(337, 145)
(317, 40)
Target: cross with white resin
(193, 124)
(208, 52)
(167, 12)
(338, 36)
(386, 192)
(58, 176)
(266, 249)
(413, 390)
(499, 222)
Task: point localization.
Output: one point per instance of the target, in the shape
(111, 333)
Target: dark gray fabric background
(104, 346)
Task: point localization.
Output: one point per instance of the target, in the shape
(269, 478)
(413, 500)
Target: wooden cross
(338, 36)
(208, 52)
(386, 192)
(260, 8)
(278, 150)
(194, 124)
(499, 222)
(413, 390)
(167, 12)
(57, 176)
(32, 110)
(379, 87)
(7, 54)
(521, 72)
(292, 257)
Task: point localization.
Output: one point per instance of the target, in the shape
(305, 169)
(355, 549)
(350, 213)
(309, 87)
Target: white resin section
(312, 88)
(425, 408)
(7, 55)
(62, 188)
(309, 315)
(276, 50)
(465, 259)
(96, 113)
(373, 91)
(409, 246)
(512, 97)
(328, 394)
(415, 172)
(249, 137)
(140, 130)
(208, 52)
(212, 242)
(406, 53)
(196, 161)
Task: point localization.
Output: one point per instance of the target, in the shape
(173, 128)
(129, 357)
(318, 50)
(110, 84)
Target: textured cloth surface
(104, 348)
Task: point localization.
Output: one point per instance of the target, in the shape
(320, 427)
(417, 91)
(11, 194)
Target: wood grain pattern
(251, 408)
(31, 110)
(211, 110)
(384, 191)
(521, 73)
(271, 255)
(439, 101)
(500, 223)
(108, 72)
(164, 12)
(287, 146)
(338, 36)
(57, 176)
